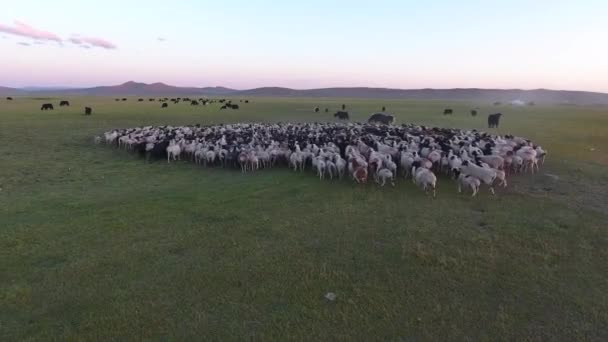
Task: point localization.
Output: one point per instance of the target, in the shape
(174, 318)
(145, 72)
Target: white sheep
(486, 175)
(468, 182)
(383, 175)
(425, 178)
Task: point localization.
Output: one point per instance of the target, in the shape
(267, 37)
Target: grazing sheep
(173, 151)
(425, 178)
(486, 175)
(468, 182)
(383, 175)
(333, 149)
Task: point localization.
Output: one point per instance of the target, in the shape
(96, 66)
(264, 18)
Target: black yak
(381, 118)
(448, 111)
(88, 110)
(342, 115)
(64, 103)
(47, 106)
(494, 120)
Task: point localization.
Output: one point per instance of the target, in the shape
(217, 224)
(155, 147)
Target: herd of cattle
(381, 118)
(342, 150)
(225, 103)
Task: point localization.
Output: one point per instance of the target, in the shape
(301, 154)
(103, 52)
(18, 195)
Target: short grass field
(96, 244)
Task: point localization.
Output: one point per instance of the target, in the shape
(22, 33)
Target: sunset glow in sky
(559, 44)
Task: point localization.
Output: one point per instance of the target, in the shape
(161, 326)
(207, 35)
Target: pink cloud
(92, 41)
(24, 30)
(102, 43)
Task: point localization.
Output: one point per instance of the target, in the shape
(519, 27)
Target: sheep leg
(492, 190)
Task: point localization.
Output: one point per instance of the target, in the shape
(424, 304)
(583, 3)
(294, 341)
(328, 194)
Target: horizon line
(59, 87)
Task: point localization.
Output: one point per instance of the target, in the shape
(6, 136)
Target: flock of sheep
(343, 150)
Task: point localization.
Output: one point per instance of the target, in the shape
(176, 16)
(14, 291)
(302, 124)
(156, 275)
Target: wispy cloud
(24, 43)
(161, 39)
(24, 30)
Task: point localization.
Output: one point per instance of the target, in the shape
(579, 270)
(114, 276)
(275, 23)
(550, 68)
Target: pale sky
(558, 44)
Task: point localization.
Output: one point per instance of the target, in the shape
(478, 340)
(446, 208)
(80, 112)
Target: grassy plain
(96, 244)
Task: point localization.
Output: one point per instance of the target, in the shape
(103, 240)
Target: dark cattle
(246, 101)
(341, 115)
(9, 98)
(473, 112)
(494, 120)
(151, 100)
(383, 109)
(234, 106)
(64, 103)
(381, 118)
(448, 111)
(164, 105)
(317, 109)
(223, 107)
(47, 106)
(194, 103)
(343, 107)
(326, 110)
(88, 110)
(124, 99)
(117, 100)
(140, 100)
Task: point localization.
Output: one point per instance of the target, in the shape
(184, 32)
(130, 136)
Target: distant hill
(458, 94)
(143, 89)
(6, 91)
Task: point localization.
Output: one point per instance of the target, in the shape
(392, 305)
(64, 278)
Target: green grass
(96, 244)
